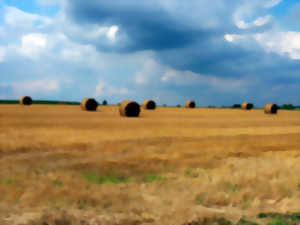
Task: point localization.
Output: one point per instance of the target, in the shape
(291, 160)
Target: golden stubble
(212, 161)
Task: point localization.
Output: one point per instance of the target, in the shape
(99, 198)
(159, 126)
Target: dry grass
(168, 166)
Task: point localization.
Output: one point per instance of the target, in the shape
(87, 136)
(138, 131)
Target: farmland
(168, 166)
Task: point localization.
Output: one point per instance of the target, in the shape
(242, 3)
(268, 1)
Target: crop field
(168, 166)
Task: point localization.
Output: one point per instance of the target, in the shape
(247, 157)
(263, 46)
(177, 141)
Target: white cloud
(243, 16)
(33, 45)
(188, 78)
(281, 42)
(111, 33)
(150, 70)
(2, 54)
(18, 19)
(71, 55)
(94, 32)
(154, 72)
(104, 89)
(260, 21)
(74, 52)
(37, 86)
(273, 41)
(232, 37)
(272, 3)
(90, 32)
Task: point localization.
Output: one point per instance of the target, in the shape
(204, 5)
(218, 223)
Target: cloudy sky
(214, 52)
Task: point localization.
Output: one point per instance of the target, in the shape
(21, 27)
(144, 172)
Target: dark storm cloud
(155, 25)
(219, 57)
(186, 36)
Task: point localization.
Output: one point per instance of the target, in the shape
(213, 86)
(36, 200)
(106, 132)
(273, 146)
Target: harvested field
(168, 166)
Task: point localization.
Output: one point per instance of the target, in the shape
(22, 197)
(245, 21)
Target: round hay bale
(129, 108)
(271, 108)
(89, 104)
(247, 106)
(149, 104)
(190, 104)
(26, 100)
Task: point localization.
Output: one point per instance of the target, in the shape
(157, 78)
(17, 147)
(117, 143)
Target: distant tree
(119, 104)
(178, 106)
(211, 106)
(235, 106)
(164, 105)
(104, 102)
(287, 107)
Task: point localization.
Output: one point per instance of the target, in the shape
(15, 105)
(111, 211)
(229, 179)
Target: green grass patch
(57, 183)
(299, 186)
(57, 204)
(107, 205)
(6, 181)
(198, 200)
(190, 173)
(262, 215)
(96, 179)
(246, 222)
(86, 203)
(154, 177)
(278, 220)
(82, 204)
(229, 187)
(281, 219)
(296, 215)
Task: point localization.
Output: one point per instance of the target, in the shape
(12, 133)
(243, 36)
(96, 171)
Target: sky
(213, 52)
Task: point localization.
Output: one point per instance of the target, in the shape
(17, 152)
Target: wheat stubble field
(169, 166)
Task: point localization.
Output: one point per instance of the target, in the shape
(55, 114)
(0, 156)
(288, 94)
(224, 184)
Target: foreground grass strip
(65, 219)
(278, 221)
(96, 179)
(245, 222)
(272, 219)
(220, 221)
(281, 219)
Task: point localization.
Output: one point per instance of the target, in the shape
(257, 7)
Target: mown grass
(224, 156)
